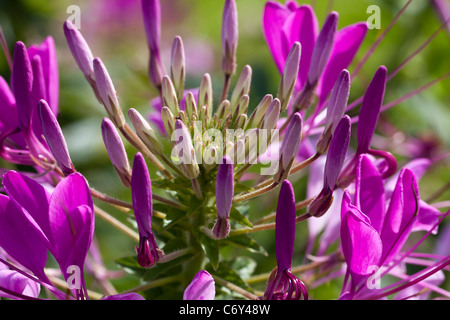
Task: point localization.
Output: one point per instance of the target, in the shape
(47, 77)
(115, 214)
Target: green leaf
(227, 273)
(238, 217)
(210, 247)
(246, 242)
(131, 265)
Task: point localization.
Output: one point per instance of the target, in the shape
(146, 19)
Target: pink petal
(346, 44)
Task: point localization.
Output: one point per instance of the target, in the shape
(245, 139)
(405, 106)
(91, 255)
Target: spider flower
(374, 229)
(61, 222)
(34, 77)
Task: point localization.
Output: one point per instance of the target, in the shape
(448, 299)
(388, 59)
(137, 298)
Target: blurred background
(115, 33)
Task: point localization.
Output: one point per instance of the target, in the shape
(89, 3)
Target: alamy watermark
(374, 21)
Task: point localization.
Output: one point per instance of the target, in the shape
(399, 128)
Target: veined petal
(361, 244)
(18, 283)
(22, 83)
(274, 16)
(369, 192)
(301, 26)
(401, 214)
(202, 287)
(20, 239)
(72, 221)
(47, 53)
(346, 44)
(31, 196)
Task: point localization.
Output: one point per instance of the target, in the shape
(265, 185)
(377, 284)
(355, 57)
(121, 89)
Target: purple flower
(141, 192)
(61, 222)
(373, 229)
(282, 284)
(202, 287)
(285, 24)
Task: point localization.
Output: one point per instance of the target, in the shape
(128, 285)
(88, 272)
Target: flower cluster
(214, 153)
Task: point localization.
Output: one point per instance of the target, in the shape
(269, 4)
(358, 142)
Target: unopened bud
(116, 151)
(242, 106)
(80, 51)
(108, 93)
(259, 112)
(177, 68)
(190, 106)
(168, 120)
(184, 150)
(289, 76)
(169, 95)
(270, 119)
(144, 131)
(320, 205)
(224, 197)
(289, 147)
(229, 37)
(55, 138)
(241, 121)
(335, 110)
(205, 94)
(322, 48)
(242, 87)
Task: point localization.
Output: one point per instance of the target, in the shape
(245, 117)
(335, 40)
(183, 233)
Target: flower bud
(270, 119)
(116, 151)
(55, 138)
(229, 37)
(168, 120)
(258, 114)
(169, 95)
(322, 48)
(80, 51)
(144, 131)
(148, 252)
(184, 150)
(242, 106)
(177, 67)
(190, 106)
(224, 197)
(289, 147)
(205, 94)
(108, 93)
(242, 87)
(289, 76)
(335, 110)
